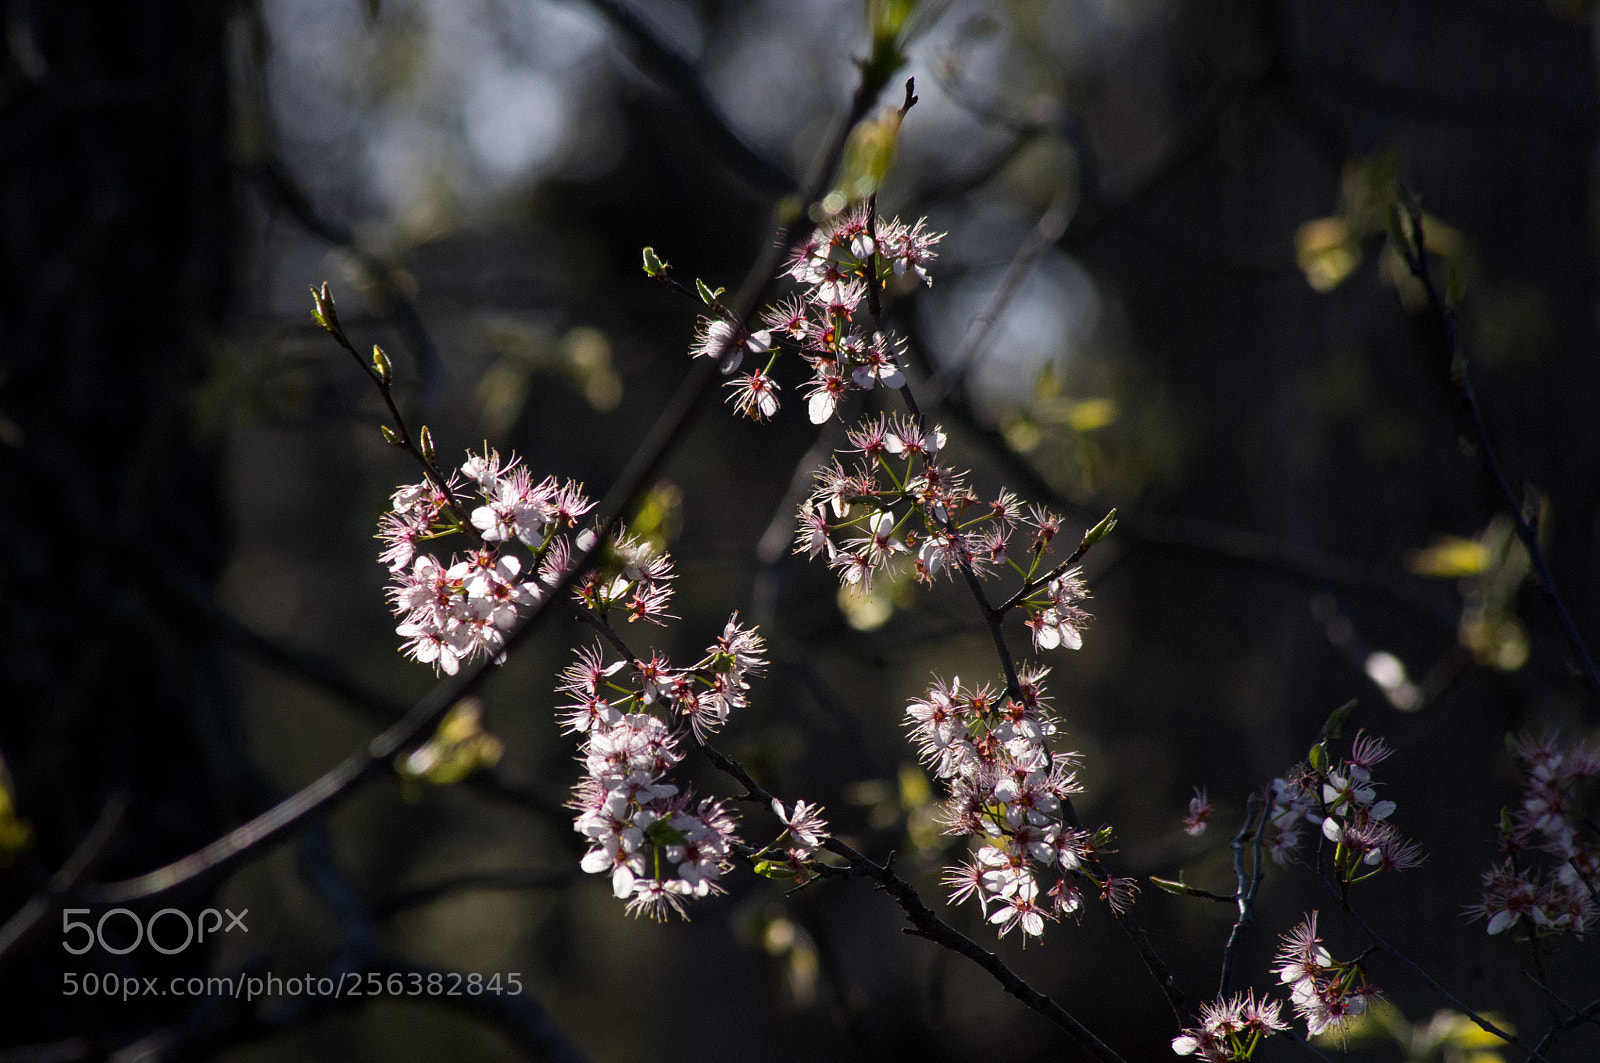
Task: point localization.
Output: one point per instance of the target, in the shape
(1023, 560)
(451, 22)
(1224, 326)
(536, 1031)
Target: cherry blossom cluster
(1343, 804)
(701, 696)
(834, 268)
(658, 844)
(457, 610)
(897, 504)
(1006, 790)
(1324, 992)
(1557, 899)
(1229, 1030)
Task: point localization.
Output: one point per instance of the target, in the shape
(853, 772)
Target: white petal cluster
(454, 611)
(1342, 803)
(1006, 792)
(1324, 992)
(658, 845)
(834, 269)
(1553, 896)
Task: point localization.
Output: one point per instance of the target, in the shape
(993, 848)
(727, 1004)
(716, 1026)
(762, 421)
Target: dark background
(192, 476)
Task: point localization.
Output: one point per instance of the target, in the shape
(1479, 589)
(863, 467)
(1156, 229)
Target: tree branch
(89, 851)
(1454, 1001)
(1413, 248)
(1246, 896)
(389, 297)
(670, 425)
(992, 619)
(677, 74)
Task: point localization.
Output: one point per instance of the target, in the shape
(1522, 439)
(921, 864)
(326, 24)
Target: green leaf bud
(1101, 530)
(708, 295)
(322, 310)
(381, 366)
(1333, 727)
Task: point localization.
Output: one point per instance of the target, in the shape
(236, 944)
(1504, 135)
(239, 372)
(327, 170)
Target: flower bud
(380, 365)
(708, 294)
(322, 310)
(1101, 530)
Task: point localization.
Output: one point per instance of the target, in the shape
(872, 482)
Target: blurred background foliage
(1183, 199)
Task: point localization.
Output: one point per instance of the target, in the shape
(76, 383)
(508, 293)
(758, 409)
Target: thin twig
(389, 297)
(1552, 996)
(1455, 1001)
(1561, 1029)
(382, 376)
(664, 63)
(1031, 585)
(927, 925)
(924, 923)
(992, 620)
(1258, 813)
(640, 471)
(1415, 251)
(66, 879)
(1048, 230)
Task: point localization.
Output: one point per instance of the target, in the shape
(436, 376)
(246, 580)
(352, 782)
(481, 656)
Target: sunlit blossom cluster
(896, 504)
(1556, 895)
(1342, 803)
(833, 268)
(1229, 1030)
(452, 612)
(1324, 992)
(456, 610)
(659, 846)
(1006, 791)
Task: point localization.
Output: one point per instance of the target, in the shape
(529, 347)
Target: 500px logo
(210, 921)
